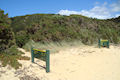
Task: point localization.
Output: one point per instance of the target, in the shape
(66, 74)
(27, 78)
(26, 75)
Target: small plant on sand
(11, 57)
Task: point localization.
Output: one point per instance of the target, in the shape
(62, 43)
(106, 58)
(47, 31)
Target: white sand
(74, 63)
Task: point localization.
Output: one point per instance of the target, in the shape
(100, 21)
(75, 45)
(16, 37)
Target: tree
(6, 34)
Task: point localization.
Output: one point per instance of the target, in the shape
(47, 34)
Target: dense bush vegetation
(6, 34)
(8, 49)
(54, 27)
(21, 38)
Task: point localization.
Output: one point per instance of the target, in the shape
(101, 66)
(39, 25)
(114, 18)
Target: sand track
(74, 63)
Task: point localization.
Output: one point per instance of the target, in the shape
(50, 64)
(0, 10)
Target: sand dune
(72, 63)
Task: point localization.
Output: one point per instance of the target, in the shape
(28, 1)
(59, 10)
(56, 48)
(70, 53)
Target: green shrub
(11, 56)
(21, 38)
(13, 51)
(7, 38)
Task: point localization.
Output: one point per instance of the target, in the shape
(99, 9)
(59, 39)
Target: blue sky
(101, 9)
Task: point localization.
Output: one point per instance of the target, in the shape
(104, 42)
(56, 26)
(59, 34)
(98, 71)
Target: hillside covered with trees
(17, 31)
(54, 27)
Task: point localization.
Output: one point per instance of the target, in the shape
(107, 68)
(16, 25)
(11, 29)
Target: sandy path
(75, 63)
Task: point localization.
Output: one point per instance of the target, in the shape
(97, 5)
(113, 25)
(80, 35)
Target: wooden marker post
(103, 43)
(47, 61)
(32, 54)
(47, 57)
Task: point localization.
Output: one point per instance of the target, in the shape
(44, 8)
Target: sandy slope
(74, 63)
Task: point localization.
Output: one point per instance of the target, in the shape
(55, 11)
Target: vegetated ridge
(55, 27)
(17, 31)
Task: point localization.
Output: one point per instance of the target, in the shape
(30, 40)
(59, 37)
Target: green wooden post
(32, 54)
(104, 44)
(47, 61)
(108, 44)
(99, 43)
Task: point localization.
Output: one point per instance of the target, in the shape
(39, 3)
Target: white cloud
(100, 12)
(96, 12)
(115, 7)
(117, 15)
(67, 12)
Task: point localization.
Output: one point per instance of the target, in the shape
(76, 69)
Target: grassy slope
(52, 27)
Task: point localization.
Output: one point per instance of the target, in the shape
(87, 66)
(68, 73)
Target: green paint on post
(99, 43)
(37, 53)
(47, 61)
(104, 43)
(108, 44)
(32, 54)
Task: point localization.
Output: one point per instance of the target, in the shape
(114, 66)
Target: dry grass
(54, 47)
